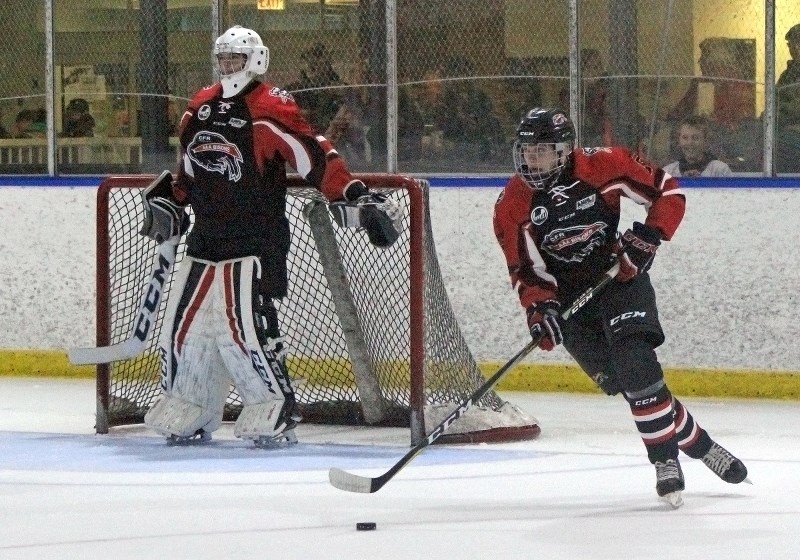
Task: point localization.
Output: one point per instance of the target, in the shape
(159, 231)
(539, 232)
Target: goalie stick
(145, 318)
(350, 482)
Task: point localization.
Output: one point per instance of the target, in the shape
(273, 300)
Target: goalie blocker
(165, 222)
(380, 216)
(164, 219)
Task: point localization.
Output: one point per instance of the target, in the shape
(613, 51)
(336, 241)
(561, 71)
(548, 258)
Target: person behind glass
(791, 75)
(23, 125)
(312, 91)
(221, 325)
(696, 160)
(465, 115)
(788, 108)
(3, 132)
(556, 221)
(597, 129)
(78, 122)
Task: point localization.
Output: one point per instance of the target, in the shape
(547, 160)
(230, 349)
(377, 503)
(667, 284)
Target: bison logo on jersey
(214, 153)
(573, 244)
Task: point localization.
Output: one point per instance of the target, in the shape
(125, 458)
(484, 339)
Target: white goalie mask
(241, 56)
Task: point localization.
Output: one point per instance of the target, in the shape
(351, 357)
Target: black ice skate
(669, 482)
(724, 464)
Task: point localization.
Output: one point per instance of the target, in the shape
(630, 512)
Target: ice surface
(583, 490)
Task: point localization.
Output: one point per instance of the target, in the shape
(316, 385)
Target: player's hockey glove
(636, 250)
(380, 216)
(544, 322)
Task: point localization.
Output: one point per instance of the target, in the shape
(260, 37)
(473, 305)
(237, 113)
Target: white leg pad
(258, 420)
(172, 416)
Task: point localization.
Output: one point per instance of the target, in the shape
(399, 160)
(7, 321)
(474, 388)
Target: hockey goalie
(221, 325)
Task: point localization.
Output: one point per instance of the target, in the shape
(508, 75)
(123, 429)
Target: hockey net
(371, 334)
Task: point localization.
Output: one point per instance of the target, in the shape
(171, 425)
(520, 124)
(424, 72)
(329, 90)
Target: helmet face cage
(229, 63)
(240, 57)
(545, 140)
(551, 157)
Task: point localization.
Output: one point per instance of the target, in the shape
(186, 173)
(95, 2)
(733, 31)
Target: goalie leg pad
(266, 421)
(194, 381)
(251, 348)
(171, 416)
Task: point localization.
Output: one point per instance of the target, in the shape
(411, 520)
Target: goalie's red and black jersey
(235, 153)
(559, 241)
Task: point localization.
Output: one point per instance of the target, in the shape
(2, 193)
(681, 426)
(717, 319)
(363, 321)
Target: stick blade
(105, 354)
(350, 482)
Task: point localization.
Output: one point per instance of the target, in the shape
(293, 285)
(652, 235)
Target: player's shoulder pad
(598, 165)
(515, 197)
(205, 95)
(268, 100)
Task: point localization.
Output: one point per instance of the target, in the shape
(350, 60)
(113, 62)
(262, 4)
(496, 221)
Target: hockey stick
(145, 318)
(350, 482)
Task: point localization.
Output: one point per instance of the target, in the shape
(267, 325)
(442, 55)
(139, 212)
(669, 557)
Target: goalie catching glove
(164, 219)
(380, 216)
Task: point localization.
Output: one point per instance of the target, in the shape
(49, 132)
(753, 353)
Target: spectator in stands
(427, 95)
(788, 108)
(520, 93)
(3, 132)
(39, 126)
(696, 160)
(410, 126)
(78, 122)
(465, 115)
(315, 91)
(727, 72)
(596, 126)
(22, 127)
(727, 68)
(596, 129)
(789, 80)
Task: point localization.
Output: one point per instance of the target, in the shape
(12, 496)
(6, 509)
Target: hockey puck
(366, 526)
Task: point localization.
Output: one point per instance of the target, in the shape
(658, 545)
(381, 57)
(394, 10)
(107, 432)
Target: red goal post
(372, 337)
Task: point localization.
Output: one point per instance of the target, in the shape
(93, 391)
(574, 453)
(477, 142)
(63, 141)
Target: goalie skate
(256, 423)
(198, 438)
(284, 439)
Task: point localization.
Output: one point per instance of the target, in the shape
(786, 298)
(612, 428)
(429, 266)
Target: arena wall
(727, 283)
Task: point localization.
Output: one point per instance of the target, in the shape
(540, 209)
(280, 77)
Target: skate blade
(748, 481)
(183, 441)
(285, 439)
(673, 499)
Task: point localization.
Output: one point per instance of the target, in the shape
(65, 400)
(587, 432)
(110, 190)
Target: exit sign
(271, 4)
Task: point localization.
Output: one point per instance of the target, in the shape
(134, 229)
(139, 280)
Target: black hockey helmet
(544, 142)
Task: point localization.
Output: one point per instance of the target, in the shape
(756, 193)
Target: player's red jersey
(559, 241)
(234, 153)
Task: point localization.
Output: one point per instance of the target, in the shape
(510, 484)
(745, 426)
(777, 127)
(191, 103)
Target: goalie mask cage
(372, 338)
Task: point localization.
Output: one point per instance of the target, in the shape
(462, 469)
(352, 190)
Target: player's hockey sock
(692, 439)
(653, 413)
